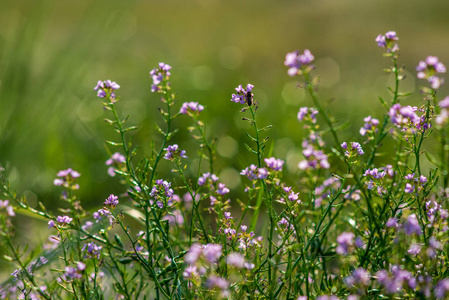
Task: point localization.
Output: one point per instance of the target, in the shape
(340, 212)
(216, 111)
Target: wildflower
(345, 242)
(274, 164)
(412, 226)
(360, 276)
(4, 204)
(315, 159)
(306, 113)
(174, 218)
(355, 149)
(193, 254)
(414, 249)
(236, 260)
(92, 249)
(112, 200)
(254, 173)
(212, 252)
(117, 159)
(222, 189)
(404, 117)
(191, 107)
(429, 69)
(67, 179)
(63, 220)
(162, 72)
(442, 288)
(369, 126)
(394, 284)
(173, 152)
(190, 272)
(217, 282)
(444, 103)
(243, 95)
(105, 88)
(162, 188)
(207, 176)
(296, 61)
(388, 41)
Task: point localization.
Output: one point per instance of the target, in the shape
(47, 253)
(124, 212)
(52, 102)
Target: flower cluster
(377, 177)
(296, 62)
(388, 41)
(308, 114)
(173, 152)
(158, 75)
(345, 243)
(405, 117)
(117, 160)
(4, 204)
(370, 126)
(162, 193)
(243, 95)
(190, 108)
(395, 283)
(355, 149)
(105, 89)
(207, 177)
(414, 184)
(253, 172)
(112, 201)
(324, 190)
(314, 159)
(92, 250)
(67, 179)
(429, 68)
(443, 116)
(62, 220)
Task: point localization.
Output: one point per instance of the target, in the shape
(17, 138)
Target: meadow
(237, 168)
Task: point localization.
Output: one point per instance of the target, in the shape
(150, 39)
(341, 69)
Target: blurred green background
(53, 52)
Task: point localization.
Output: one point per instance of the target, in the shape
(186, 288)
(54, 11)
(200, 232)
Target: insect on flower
(249, 98)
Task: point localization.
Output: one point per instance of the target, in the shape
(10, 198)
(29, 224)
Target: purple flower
(411, 226)
(193, 254)
(158, 75)
(67, 178)
(315, 159)
(190, 272)
(444, 103)
(222, 189)
(369, 126)
(388, 41)
(306, 113)
(355, 149)
(92, 249)
(274, 164)
(63, 219)
(173, 152)
(217, 282)
(243, 95)
(236, 260)
(345, 241)
(106, 87)
(392, 222)
(51, 224)
(442, 288)
(9, 209)
(190, 107)
(360, 276)
(296, 61)
(414, 249)
(429, 68)
(112, 200)
(212, 252)
(254, 173)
